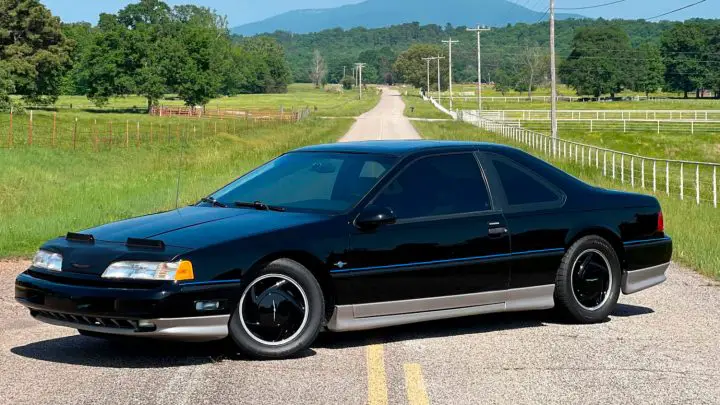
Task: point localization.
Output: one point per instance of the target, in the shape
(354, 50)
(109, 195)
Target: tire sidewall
(316, 310)
(564, 293)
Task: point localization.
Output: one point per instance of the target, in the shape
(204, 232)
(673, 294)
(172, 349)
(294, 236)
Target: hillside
(383, 13)
(345, 47)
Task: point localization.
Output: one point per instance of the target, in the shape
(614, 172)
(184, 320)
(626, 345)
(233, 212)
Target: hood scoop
(79, 237)
(145, 244)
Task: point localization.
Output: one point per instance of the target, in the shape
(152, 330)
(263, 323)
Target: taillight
(661, 223)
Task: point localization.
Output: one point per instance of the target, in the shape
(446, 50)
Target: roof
(399, 148)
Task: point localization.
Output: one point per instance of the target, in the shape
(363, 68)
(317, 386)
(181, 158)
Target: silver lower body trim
(382, 314)
(195, 329)
(638, 280)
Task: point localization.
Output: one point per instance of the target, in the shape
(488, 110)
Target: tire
(280, 312)
(589, 267)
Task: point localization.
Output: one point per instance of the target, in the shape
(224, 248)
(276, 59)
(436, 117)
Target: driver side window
(437, 186)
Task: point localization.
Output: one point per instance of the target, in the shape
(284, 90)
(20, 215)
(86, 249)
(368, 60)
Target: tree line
(596, 57)
(148, 48)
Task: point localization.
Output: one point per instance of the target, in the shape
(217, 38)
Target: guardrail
(639, 171)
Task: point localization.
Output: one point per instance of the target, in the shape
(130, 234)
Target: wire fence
(684, 179)
(85, 132)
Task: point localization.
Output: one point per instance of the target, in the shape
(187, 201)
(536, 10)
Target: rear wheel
(588, 280)
(280, 312)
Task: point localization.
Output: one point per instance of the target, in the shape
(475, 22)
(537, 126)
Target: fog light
(146, 325)
(205, 306)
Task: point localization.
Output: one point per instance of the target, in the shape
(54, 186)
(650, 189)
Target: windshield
(308, 181)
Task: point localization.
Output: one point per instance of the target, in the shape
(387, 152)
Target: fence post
(667, 178)
(30, 129)
(658, 125)
(622, 169)
(715, 186)
(604, 163)
(697, 184)
(54, 128)
(591, 125)
(127, 133)
(576, 153)
(613, 163)
(597, 158)
(692, 127)
(654, 176)
(137, 134)
(642, 172)
(682, 181)
(75, 133)
(624, 126)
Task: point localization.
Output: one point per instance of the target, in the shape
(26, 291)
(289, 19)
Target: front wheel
(280, 312)
(587, 284)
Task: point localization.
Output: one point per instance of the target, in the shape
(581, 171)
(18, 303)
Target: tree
(534, 67)
(598, 62)
(318, 69)
(6, 88)
(34, 53)
(412, 69)
(683, 48)
(649, 69)
(348, 82)
(80, 36)
(269, 69)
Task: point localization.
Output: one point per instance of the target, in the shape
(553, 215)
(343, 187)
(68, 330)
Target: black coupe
(355, 236)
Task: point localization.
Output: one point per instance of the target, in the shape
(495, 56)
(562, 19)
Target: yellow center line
(377, 384)
(416, 392)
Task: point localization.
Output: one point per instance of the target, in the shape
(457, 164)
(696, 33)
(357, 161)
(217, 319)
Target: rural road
(384, 122)
(659, 347)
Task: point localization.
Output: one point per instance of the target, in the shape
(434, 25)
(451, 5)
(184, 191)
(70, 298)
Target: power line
(677, 9)
(589, 7)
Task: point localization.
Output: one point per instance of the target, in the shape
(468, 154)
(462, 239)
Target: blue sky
(244, 11)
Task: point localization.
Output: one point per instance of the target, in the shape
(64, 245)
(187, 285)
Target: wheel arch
(310, 262)
(609, 235)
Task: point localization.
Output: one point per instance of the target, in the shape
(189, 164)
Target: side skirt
(382, 314)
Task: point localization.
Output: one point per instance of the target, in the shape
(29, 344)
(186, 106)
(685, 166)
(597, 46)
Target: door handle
(497, 232)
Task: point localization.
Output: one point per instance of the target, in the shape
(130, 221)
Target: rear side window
(522, 187)
(437, 186)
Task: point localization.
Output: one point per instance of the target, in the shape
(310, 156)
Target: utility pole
(360, 67)
(344, 72)
(553, 74)
(439, 58)
(450, 43)
(478, 30)
(427, 60)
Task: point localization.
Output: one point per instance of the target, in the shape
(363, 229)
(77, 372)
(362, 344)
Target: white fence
(609, 115)
(686, 179)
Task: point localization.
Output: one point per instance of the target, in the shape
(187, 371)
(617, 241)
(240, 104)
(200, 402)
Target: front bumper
(638, 280)
(162, 311)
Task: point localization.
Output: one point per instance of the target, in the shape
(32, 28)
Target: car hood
(194, 227)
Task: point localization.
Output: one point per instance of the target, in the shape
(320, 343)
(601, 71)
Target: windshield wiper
(259, 206)
(213, 201)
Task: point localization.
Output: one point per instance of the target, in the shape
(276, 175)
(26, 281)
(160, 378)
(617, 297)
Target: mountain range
(383, 13)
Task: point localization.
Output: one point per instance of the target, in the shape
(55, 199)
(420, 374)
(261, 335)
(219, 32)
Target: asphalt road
(661, 346)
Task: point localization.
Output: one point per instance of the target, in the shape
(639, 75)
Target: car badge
(340, 265)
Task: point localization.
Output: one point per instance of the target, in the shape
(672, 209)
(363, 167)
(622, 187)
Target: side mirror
(373, 217)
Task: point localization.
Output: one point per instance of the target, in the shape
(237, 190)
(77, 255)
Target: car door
(447, 239)
(532, 207)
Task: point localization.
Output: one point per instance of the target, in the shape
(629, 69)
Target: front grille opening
(100, 322)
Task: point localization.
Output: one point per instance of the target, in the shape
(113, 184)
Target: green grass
(48, 192)
(299, 96)
(415, 107)
(693, 228)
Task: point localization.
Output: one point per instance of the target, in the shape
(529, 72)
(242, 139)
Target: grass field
(299, 96)
(693, 228)
(48, 192)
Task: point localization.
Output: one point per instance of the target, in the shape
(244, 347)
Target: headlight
(176, 271)
(48, 260)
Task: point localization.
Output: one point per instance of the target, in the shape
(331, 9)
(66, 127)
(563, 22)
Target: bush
(348, 82)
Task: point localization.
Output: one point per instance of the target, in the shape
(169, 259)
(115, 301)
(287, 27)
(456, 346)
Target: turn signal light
(184, 271)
